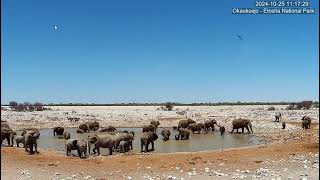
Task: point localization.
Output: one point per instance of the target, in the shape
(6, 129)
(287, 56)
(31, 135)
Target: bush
(304, 105)
(169, 106)
(271, 108)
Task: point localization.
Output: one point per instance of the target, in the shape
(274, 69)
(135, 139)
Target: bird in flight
(55, 27)
(240, 37)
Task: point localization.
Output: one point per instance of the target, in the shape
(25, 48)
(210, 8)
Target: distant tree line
(169, 105)
(15, 106)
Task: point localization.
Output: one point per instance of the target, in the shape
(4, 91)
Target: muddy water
(197, 142)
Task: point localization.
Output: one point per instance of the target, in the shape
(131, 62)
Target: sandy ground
(290, 153)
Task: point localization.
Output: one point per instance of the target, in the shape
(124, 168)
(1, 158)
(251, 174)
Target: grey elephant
(76, 144)
(93, 126)
(123, 137)
(306, 121)
(148, 128)
(166, 134)
(185, 123)
(20, 139)
(146, 139)
(80, 131)
(278, 117)
(84, 127)
(30, 139)
(184, 133)
(124, 146)
(155, 124)
(242, 123)
(7, 133)
(196, 127)
(102, 141)
(58, 131)
(108, 129)
(209, 124)
(66, 135)
(222, 130)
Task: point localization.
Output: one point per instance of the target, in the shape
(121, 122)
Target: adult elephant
(93, 126)
(30, 139)
(184, 133)
(7, 133)
(84, 127)
(58, 131)
(306, 121)
(76, 144)
(155, 124)
(241, 123)
(66, 135)
(185, 123)
(102, 141)
(146, 139)
(148, 128)
(209, 124)
(108, 129)
(196, 127)
(165, 134)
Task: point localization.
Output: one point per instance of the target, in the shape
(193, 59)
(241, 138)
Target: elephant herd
(121, 141)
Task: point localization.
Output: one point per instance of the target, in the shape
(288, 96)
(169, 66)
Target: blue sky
(155, 51)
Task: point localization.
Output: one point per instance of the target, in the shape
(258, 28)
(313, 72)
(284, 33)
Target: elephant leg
(31, 148)
(110, 151)
(247, 129)
(36, 147)
(141, 146)
(237, 130)
(79, 153)
(232, 130)
(8, 139)
(152, 143)
(98, 149)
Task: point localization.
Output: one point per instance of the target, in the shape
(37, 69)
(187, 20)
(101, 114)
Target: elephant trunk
(250, 126)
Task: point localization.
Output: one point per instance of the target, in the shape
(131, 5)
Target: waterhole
(197, 142)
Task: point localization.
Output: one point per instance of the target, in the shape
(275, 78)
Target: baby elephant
(66, 135)
(222, 130)
(20, 139)
(76, 144)
(124, 146)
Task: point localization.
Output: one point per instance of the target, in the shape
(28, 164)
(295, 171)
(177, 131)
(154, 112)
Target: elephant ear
(74, 142)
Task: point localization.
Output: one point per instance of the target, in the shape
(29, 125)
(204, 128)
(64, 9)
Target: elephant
(196, 127)
(93, 126)
(148, 128)
(165, 134)
(124, 146)
(184, 133)
(222, 130)
(76, 144)
(84, 127)
(20, 139)
(174, 127)
(66, 135)
(146, 139)
(101, 141)
(242, 123)
(7, 133)
(177, 136)
(278, 117)
(210, 124)
(155, 124)
(283, 125)
(123, 137)
(306, 121)
(108, 129)
(30, 139)
(185, 123)
(58, 131)
(80, 131)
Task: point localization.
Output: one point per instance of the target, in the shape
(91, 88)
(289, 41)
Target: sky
(155, 51)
